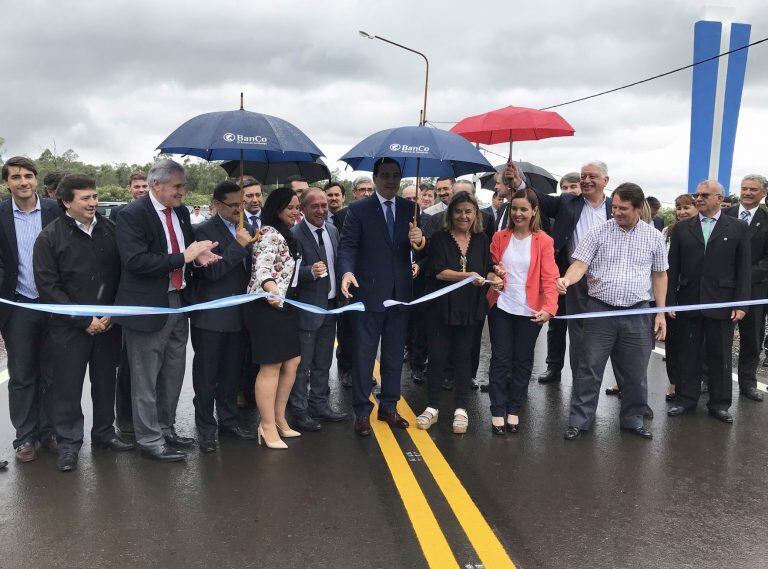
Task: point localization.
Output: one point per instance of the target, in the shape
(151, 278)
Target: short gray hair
(162, 170)
(598, 164)
(718, 187)
(361, 180)
(570, 178)
(757, 178)
(467, 182)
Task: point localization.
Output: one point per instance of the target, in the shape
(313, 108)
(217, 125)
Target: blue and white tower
(715, 100)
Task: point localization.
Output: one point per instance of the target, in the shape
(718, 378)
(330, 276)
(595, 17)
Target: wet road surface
(691, 497)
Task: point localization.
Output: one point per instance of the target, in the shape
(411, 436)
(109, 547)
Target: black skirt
(274, 332)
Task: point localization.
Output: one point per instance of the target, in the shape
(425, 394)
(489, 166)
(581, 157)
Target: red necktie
(177, 275)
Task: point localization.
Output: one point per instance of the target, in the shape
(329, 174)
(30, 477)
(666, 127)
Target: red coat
(540, 286)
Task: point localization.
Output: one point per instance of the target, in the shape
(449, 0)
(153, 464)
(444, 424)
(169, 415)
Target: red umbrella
(512, 124)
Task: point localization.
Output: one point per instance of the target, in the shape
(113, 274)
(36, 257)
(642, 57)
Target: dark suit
(217, 334)
(316, 331)
(658, 222)
(344, 336)
(750, 327)
(382, 267)
(338, 219)
(123, 411)
(698, 275)
(565, 210)
(416, 338)
(24, 332)
(115, 211)
(156, 344)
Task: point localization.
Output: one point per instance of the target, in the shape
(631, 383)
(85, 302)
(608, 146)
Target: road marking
(4, 376)
(735, 377)
(431, 538)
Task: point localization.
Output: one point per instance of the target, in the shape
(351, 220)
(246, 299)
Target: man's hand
(243, 238)
(672, 314)
(207, 257)
(95, 327)
(414, 270)
(347, 280)
(106, 321)
(414, 234)
(319, 270)
(512, 174)
(541, 316)
(195, 248)
(660, 327)
(562, 285)
(737, 315)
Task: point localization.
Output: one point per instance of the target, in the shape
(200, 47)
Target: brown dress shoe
(363, 426)
(392, 418)
(26, 452)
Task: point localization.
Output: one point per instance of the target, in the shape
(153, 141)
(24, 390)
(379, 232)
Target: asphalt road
(691, 497)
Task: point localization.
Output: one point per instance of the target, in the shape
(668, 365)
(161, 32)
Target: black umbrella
(277, 172)
(535, 176)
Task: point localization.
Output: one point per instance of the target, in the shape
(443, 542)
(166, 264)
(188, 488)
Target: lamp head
(366, 34)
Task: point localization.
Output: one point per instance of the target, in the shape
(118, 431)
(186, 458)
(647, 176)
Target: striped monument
(715, 100)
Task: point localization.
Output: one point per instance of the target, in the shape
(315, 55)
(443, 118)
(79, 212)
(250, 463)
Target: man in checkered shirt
(624, 260)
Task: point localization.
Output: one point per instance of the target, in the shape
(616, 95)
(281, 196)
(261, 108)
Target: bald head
(314, 206)
(409, 193)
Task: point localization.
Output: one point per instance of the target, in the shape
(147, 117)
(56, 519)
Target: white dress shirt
(590, 218)
(328, 255)
(87, 229)
(384, 207)
(160, 209)
(751, 213)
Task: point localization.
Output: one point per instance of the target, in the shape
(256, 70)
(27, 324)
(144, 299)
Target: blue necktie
(390, 215)
(256, 222)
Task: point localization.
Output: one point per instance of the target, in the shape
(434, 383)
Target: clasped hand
(201, 254)
(99, 325)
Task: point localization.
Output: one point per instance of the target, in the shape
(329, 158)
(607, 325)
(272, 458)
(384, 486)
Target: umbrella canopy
(512, 124)
(223, 135)
(419, 151)
(535, 176)
(277, 172)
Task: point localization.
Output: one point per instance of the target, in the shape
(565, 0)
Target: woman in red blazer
(523, 255)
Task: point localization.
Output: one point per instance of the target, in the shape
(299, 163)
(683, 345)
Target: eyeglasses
(699, 195)
(232, 205)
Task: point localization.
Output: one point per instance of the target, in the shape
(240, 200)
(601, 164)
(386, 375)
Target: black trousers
(673, 346)
(24, 333)
(696, 331)
(750, 338)
(477, 340)
(369, 328)
(216, 370)
(345, 344)
(68, 351)
(513, 339)
(123, 405)
(448, 345)
(556, 332)
(417, 338)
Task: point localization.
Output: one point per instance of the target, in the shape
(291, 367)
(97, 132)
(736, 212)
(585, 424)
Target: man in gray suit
(318, 243)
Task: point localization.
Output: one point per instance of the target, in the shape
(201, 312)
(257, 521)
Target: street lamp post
(423, 114)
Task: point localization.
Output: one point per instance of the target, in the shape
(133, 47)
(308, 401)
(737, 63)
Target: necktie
(177, 275)
(390, 216)
(707, 229)
(256, 221)
(322, 244)
(745, 216)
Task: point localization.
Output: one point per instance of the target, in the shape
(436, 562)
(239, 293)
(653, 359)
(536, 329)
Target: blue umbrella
(420, 151)
(241, 135)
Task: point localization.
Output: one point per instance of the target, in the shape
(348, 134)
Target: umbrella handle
(423, 242)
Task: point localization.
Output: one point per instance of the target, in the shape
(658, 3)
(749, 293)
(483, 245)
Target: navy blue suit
(382, 267)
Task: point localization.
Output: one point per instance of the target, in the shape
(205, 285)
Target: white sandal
(426, 419)
(460, 421)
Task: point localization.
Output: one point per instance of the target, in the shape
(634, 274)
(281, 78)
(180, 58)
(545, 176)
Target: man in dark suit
(655, 205)
(137, 186)
(753, 190)
(709, 261)
(157, 246)
(334, 191)
(76, 262)
(375, 259)
(318, 243)
(574, 216)
(22, 218)
(217, 334)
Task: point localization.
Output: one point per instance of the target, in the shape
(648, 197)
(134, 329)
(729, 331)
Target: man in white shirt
(196, 217)
(444, 189)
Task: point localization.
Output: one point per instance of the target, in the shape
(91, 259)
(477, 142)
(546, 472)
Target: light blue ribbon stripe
(104, 310)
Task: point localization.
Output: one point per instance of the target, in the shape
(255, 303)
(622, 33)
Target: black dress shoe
(752, 393)
(208, 445)
(417, 375)
(640, 431)
(67, 461)
(163, 454)
(721, 415)
(677, 410)
(328, 415)
(175, 440)
(363, 426)
(392, 418)
(499, 430)
(115, 443)
(49, 443)
(549, 376)
(238, 433)
(572, 433)
(303, 422)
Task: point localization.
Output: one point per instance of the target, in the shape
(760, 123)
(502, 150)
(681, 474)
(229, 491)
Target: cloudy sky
(112, 80)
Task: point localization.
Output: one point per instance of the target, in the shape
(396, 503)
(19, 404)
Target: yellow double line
(431, 538)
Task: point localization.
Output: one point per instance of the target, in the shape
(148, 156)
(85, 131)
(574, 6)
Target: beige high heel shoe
(279, 444)
(288, 433)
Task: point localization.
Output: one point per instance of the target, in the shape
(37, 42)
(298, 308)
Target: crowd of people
(529, 256)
